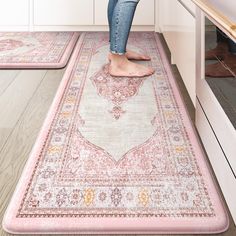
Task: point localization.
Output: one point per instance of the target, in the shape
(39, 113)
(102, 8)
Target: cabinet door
(178, 27)
(63, 12)
(14, 12)
(144, 13)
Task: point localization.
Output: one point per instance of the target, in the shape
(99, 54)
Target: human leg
(129, 53)
(110, 10)
(121, 22)
(120, 25)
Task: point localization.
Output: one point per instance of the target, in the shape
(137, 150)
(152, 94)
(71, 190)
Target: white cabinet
(145, 12)
(14, 12)
(63, 15)
(178, 27)
(214, 125)
(219, 162)
(63, 12)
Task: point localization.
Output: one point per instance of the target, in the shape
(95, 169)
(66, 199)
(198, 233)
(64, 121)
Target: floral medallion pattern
(10, 44)
(34, 47)
(116, 89)
(159, 177)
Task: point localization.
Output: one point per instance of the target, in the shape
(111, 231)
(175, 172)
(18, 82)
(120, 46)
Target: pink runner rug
(116, 155)
(36, 49)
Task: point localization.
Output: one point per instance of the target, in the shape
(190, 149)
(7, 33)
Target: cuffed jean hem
(117, 53)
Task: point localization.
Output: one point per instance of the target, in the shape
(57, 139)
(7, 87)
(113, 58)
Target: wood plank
(6, 78)
(15, 99)
(4, 133)
(19, 144)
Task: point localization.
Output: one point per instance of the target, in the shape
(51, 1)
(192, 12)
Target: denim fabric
(120, 17)
(222, 37)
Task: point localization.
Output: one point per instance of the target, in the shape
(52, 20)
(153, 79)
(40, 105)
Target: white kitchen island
(215, 124)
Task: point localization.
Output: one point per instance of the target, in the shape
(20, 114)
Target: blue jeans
(120, 17)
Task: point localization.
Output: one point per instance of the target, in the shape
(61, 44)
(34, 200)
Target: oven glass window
(220, 68)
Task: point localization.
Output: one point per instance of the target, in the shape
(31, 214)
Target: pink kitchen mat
(116, 155)
(36, 49)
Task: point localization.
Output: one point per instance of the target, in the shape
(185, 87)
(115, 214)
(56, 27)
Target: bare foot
(120, 66)
(131, 55)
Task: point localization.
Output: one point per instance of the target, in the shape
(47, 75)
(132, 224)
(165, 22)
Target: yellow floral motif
(54, 149)
(65, 114)
(143, 197)
(88, 196)
(70, 100)
(179, 149)
(169, 114)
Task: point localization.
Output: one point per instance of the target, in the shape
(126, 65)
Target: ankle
(117, 60)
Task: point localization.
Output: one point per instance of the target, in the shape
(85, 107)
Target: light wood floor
(25, 97)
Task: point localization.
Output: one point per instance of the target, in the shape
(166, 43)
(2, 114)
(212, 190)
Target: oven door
(216, 107)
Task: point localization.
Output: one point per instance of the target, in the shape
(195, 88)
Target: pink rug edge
(109, 225)
(63, 62)
(204, 162)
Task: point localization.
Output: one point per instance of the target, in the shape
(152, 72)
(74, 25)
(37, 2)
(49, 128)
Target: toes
(147, 58)
(150, 71)
(137, 56)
